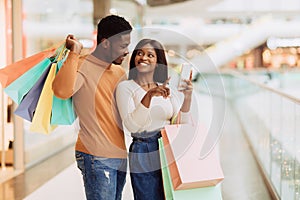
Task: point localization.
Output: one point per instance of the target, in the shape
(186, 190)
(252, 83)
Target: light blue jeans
(104, 178)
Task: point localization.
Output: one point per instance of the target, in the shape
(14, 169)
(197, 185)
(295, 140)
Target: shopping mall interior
(246, 68)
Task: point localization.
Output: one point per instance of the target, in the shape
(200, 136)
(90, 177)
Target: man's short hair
(112, 25)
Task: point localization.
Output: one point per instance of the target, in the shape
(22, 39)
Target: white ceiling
(191, 17)
(212, 8)
(190, 23)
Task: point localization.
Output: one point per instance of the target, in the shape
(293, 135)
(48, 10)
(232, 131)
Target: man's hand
(73, 44)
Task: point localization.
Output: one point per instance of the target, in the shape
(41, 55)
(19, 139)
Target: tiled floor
(58, 178)
(21, 186)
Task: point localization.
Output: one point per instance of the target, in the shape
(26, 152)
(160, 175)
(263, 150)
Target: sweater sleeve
(176, 100)
(134, 118)
(63, 84)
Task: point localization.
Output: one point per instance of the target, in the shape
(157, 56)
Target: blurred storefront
(55, 20)
(29, 29)
(6, 50)
(266, 58)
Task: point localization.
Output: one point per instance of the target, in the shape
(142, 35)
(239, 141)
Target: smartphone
(185, 71)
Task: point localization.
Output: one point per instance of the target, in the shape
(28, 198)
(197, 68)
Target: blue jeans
(104, 178)
(145, 168)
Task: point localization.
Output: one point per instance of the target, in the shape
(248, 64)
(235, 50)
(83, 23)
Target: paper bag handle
(178, 117)
(60, 52)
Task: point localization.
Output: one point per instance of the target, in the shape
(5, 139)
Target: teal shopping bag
(11, 72)
(62, 109)
(27, 106)
(21, 86)
(207, 193)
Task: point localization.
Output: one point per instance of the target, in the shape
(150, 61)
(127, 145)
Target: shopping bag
(27, 106)
(20, 87)
(209, 193)
(183, 144)
(62, 109)
(41, 119)
(13, 71)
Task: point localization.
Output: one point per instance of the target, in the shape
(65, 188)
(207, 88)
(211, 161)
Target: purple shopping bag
(28, 104)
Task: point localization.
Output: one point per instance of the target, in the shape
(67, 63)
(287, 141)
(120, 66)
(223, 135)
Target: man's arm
(64, 81)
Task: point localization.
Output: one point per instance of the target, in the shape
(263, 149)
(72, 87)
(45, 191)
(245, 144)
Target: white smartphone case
(184, 75)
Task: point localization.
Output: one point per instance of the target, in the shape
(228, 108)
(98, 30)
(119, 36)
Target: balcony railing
(271, 121)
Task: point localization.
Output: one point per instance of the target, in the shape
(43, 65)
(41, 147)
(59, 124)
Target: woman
(146, 105)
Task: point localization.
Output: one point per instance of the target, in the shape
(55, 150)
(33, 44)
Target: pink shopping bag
(182, 146)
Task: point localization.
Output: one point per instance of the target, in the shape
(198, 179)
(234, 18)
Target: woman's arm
(159, 90)
(185, 115)
(134, 118)
(187, 91)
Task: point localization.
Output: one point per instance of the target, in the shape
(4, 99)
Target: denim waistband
(146, 136)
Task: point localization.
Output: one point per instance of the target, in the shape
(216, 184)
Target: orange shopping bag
(13, 71)
(182, 146)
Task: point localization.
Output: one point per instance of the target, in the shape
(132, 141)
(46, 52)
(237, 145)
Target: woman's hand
(187, 91)
(159, 90)
(188, 87)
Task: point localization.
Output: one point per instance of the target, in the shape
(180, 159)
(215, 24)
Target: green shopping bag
(207, 193)
(62, 109)
(11, 72)
(21, 86)
(27, 73)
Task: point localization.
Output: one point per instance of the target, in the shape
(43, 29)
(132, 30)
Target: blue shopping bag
(62, 109)
(21, 86)
(11, 72)
(29, 75)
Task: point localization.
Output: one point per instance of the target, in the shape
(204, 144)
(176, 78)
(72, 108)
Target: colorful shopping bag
(27, 106)
(11, 72)
(183, 143)
(20, 87)
(209, 193)
(62, 109)
(41, 119)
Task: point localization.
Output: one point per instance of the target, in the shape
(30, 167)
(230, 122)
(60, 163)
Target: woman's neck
(144, 80)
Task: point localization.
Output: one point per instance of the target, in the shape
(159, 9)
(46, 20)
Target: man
(91, 81)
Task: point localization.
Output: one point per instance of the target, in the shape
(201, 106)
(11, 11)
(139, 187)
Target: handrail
(270, 119)
(241, 76)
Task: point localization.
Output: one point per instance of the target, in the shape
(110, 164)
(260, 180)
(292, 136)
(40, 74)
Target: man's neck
(100, 54)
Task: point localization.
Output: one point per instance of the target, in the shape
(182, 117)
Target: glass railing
(271, 120)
